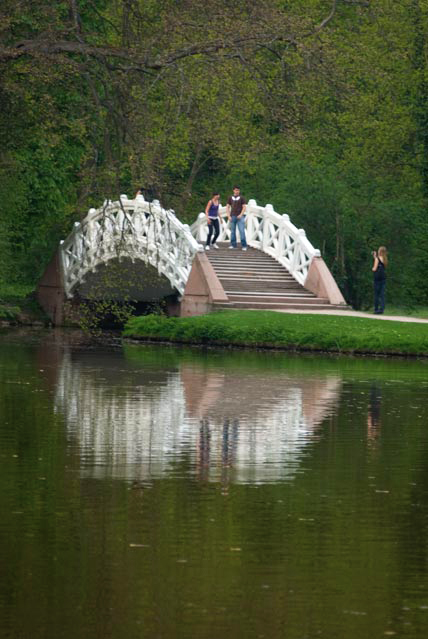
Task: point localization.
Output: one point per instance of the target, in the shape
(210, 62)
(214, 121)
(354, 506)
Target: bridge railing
(136, 229)
(270, 232)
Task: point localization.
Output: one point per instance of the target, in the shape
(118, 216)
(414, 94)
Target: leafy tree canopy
(319, 107)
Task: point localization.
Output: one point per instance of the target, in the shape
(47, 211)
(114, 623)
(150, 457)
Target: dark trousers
(213, 226)
(379, 296)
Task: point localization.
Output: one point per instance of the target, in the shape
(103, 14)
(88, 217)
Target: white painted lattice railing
(135, 229)
(270, 232)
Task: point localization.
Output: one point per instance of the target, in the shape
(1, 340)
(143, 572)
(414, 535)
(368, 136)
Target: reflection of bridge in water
(230, 424)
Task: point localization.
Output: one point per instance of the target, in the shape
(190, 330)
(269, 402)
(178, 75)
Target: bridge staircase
(253, 279)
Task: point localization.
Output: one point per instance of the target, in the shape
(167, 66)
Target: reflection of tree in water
(231, 425)
(373, 414)
(227, 455)
(229, 449)
(203, 459)
(229, 442)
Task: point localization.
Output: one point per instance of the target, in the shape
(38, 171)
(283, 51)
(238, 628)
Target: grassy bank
(267, 329)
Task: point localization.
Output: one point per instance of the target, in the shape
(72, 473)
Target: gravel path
(395, 318)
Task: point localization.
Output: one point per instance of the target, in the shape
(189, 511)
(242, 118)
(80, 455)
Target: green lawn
(337, 334)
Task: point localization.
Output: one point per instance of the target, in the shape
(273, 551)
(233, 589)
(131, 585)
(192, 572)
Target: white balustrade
(135, 229)
(270, 232)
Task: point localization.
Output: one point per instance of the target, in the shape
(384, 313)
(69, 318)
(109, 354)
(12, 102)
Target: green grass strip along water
(268, 329)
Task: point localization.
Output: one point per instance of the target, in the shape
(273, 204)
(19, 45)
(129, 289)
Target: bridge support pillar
(50, 291)
(322, 283)
(203, 288)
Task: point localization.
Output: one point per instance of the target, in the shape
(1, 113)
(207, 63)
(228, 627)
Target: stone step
(252, 265)
(274, 306)
(254, 273)
(250, 268)
(214, 254)
(258, 283)
(265, 294)
(255, 279)
(217, 256)
(261, 285)
(229, 270)
(280, 292)
(240, 255)
(267, 268)
(285, 299)
(250, 254)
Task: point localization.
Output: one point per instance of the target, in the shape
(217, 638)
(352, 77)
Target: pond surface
(157, 492)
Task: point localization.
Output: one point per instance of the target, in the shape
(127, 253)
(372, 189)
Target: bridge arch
(134, 230)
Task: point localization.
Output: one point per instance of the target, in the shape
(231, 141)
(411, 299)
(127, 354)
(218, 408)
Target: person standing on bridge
(235, 209)
(379, 278)
(213, 220)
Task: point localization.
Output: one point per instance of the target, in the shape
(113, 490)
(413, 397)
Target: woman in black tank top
(212, 211)
(379, 279)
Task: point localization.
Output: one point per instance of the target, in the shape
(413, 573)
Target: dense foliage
(317, 106)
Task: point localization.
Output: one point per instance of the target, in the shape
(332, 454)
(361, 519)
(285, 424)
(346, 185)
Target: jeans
(379, 296)
(213, 226)
(234, 222)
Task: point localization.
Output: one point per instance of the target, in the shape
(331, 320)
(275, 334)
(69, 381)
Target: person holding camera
(379, 278)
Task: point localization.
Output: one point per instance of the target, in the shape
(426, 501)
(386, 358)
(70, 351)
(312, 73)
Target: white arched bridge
(137, 250)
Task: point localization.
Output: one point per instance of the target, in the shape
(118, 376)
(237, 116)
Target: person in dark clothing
(149, 193)
(213, 220)
(379, 279)
(235, 209)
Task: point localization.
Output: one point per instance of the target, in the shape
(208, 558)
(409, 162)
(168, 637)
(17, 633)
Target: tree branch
(141, 60)
(43, 46)
(328, 19)
(76, 19)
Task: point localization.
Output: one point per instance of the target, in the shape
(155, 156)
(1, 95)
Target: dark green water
(163, 493)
